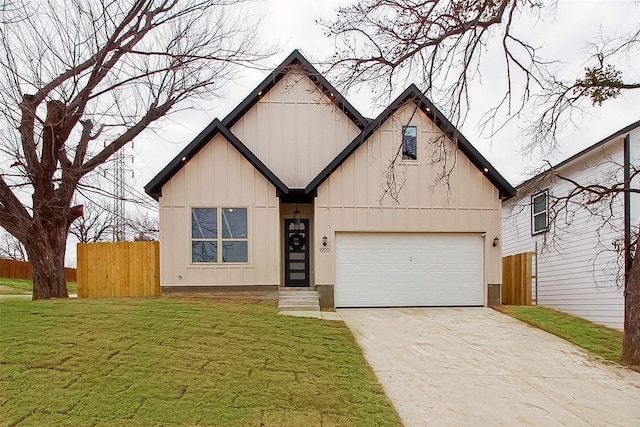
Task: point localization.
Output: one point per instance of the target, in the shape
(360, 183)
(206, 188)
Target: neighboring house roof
(367, 128)
(154, 187)
(576, 156)
(412, 93)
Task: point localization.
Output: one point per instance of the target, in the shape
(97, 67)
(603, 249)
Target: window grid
(539, 211)
(225, 240)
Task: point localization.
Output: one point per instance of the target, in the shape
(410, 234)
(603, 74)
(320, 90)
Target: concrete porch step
(298, 299)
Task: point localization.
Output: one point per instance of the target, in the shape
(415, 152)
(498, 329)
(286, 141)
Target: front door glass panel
(296, 253)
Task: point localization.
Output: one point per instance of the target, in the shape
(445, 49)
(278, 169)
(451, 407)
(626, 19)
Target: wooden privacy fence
(516, 279)
(123, 269)
(12, 269)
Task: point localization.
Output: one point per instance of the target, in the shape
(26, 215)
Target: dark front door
(296, 252)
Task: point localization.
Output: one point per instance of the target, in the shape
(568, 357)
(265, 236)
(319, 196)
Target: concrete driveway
(475, 366)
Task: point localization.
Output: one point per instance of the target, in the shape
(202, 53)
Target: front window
(539, 210)
(409, 142)
(219, 235)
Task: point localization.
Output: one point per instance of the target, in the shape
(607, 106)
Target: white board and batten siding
(205, 181)
(295, 129)
(409, 269)
(351, 201)
(576, 259)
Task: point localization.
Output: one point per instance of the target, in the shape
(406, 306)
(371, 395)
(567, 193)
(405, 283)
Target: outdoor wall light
(324, 240)
(495, 241)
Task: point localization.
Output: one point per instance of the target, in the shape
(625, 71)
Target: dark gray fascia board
(154, 187)
(414, 94)
(595, 146)
(295, 58)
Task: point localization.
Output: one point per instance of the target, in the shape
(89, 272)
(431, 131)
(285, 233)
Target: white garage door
(412, 269)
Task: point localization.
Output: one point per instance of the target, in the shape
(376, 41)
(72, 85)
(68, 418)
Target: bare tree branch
(81, 79)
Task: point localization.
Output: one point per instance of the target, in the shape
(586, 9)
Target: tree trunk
(631, 340)
(46, 255)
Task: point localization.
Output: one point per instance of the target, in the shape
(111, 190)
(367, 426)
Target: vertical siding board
(233, 181)
(207, 180)
(177, 189)
(296, 125)
(246, 179)
(166, 252)
(343, 183)
(262, 134)
(180, 240)
(360, 172)
(337, 197)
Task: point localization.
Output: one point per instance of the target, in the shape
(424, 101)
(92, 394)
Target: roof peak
(295, 58)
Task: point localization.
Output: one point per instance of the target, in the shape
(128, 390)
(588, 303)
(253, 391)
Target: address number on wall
(325, 250)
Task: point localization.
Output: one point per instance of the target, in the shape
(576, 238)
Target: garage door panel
(393, 269)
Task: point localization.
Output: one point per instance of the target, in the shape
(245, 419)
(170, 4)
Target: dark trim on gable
(587, 150)
(295, 58)
(154, 187)
(412, 93)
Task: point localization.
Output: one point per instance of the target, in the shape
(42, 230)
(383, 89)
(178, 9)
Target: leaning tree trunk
(631, 340)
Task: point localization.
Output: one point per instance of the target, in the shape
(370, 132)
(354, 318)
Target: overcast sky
(291, 24)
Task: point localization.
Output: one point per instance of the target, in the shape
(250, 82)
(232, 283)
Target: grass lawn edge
(600, 342)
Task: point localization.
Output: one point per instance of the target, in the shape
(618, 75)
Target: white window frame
(219, 240)
(545, 212)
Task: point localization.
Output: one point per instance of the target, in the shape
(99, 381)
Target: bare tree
(144, 227)
(94, 225)
(79, 79)
(442, 43)
(11, 248)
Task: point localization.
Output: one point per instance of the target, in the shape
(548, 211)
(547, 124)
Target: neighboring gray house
(287, 190)
(580, 261)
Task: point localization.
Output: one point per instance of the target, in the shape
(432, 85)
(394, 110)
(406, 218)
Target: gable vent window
(539, 213)
(409, 142)
(219, 235)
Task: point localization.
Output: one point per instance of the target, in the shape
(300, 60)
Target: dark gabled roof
(412, 93)
(154, 187)
(367, 128)
(587, 150)
(276, 75)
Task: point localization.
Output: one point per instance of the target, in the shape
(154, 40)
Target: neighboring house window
(219, 235)
(409, 139)
(539, 210)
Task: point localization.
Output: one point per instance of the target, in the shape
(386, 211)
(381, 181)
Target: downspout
(536, 273)
(627, 208)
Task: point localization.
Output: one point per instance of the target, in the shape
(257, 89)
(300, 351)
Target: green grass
(27, 285)
(599, 340)
(163, 361)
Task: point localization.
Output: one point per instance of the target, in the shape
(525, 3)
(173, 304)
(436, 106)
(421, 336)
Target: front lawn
(27, 285)
(160, 361)
(599, 340)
